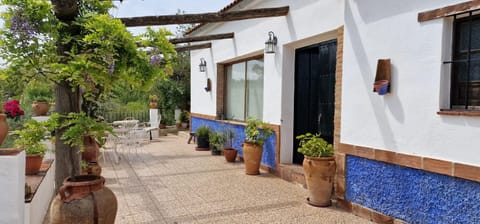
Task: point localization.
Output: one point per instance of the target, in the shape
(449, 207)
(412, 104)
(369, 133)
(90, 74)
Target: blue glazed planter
(381, 87)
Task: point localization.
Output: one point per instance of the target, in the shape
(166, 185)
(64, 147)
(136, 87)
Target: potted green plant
(85, 132)
(256, 133)
(184, 119)
(217, 139)
(153, 101)
(229, 152)
(203, 133)
(319, 167)
(41, 95)
(30, 139)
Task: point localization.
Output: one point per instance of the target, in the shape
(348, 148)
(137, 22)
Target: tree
(83, 50)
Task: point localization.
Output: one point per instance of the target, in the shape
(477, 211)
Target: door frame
(288, 90)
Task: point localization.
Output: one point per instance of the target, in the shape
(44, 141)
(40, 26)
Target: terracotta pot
(319, 175)
(184, 125)
(40, 108)
(93, 168)
(85, 200)
(153, 105)
(230, 154)
(3, 127)
(91, 149)
(252, 155)
(33, 164)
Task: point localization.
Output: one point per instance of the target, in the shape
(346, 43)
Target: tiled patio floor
(170, 182)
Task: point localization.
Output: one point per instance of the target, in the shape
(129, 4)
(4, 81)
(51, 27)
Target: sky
(134, 8)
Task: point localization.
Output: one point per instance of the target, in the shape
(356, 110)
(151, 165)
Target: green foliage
(229, 135)
(78, 125)
(313, 145)
(217, 139)
(39, 92)
(257, 132)
(153, 98)
(184, 116)
(203, 131)
(31, 135)
(98, 50)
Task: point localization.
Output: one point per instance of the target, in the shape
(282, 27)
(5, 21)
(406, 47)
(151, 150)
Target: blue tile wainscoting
(412, 195)
(268, 157)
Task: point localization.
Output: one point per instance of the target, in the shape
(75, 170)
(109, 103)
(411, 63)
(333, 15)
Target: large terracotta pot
(230, 154)
(319, 174)
(3, 127)
(91, 149)
(153, 105)
(40, 108)
(33, 164)
(85, 200)
(252, 155)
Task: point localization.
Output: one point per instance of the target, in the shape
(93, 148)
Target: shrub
(312, 145)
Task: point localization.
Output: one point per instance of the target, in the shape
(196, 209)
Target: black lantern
(202, 65)
(271, 43)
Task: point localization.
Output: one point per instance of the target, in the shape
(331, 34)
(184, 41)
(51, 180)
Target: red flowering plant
(12, 109)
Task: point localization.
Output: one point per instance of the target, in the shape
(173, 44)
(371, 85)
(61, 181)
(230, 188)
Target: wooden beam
(204, 17)
(448, 10)
(193, 47)
(202, 38)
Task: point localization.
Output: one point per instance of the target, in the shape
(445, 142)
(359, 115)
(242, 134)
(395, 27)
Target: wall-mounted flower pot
(381, 86)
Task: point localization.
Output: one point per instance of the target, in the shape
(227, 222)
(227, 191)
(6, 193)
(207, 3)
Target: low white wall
(36, 210)
(12, 193)
(406, 120)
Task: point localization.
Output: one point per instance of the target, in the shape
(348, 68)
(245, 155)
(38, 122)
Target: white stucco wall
(308, 22)
(305, 19)
(12, 193)
(406, 120)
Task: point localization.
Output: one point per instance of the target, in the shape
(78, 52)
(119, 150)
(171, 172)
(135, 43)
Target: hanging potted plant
(256, 133)
(229, 152)
(319, 167)
(203, 133)
(87, 133)
(153, 101)
(217, 139)
(30, 138)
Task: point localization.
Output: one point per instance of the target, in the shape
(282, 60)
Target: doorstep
(291, 173)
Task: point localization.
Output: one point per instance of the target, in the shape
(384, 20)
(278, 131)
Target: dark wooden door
(314, 92)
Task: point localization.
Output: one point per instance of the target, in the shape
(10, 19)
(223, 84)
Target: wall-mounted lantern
(271, 43)
(202, 65)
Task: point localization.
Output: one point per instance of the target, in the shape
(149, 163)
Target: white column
(12, 182)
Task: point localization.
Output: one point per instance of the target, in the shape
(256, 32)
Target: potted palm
(217, 139)
(30, 138)
(229, 152)
(256, 133)
(319, 167)
(203, 133)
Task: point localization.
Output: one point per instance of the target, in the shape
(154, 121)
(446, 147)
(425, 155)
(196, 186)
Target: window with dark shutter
(465, 79)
